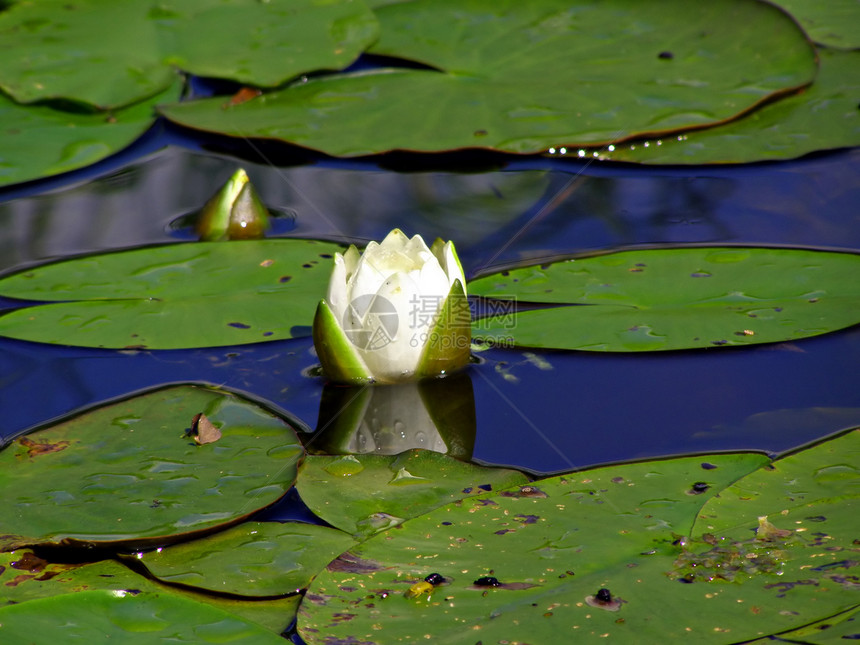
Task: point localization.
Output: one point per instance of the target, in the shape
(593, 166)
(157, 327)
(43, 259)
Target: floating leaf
(113, 54)
(25, 576)
(605, 553)
(835, 23)
(363, 494)
(525, 76)
(549, 544)
(252, 559)
(145, 618)
(824, 116)
(127, 472)
(41, 140)
(201, 294)
(679, 298)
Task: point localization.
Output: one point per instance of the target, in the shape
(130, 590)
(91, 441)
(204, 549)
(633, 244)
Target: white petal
(394, 357)
(451, 265)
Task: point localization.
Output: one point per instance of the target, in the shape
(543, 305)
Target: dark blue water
(545, 412)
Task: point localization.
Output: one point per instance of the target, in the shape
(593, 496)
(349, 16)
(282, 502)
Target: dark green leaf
(527, 76)
(130, 618)
(677, 298)
(200, 294)
(112, 54)
(25, 576)
(252, 559)
(128, 472)
(363, 494)
(823, 116)
(39, 140)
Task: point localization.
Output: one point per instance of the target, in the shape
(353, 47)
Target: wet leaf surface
(679, 298)
(25, 577)
(835, 23)
(113, 54)
(604, 553)
(524, 77)
(821, 117)
(132, 617)
(181, 295)
(41, 140)
(364, 494)
(252, 559)
(128, 473)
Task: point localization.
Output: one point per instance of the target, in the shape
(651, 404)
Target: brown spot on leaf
(350, 563)
(243, 96)
(203, 430)
(29, 562)
(34, 448)
(525, 491)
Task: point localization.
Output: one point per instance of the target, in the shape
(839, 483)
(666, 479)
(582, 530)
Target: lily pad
(24, 576)
(42, 140)
(128, 472)
(681, 298)
(113, 54)
(835, 23)
(132, 618)
(364, 494)
(252, 559)
(822, 117)
(201, 294)
(598, 553)
(525, 76)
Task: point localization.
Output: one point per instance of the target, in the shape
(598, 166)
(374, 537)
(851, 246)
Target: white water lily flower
(396, 312)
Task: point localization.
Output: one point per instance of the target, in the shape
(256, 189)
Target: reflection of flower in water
(395, 420)
(434, 414)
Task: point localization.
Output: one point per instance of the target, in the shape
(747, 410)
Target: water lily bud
(235, 212)
(394, 313)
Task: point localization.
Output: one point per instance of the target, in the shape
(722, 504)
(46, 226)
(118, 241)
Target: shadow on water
(541, 411)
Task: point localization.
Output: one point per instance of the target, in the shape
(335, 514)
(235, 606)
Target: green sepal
(448, 347)
(339, 358)
(235, 212)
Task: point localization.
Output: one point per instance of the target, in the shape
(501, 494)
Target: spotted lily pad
(145, 618)
(599, 553)
(679, 298)
(129, 473)
(364, 494)
(252, 559)
(116, 53)
(24, 576)
(200, 294)
(525, 76)
(41, 140)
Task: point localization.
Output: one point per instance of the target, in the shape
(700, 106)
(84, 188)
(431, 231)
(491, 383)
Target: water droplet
(346, 466)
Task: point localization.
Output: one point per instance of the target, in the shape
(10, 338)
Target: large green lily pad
(824, 116)
(252, 559)
(116, 53)
(25, 576)
(526, 76)
(200, 294)
(144, 618)
(364, 494)
(629, 529)
(41, 140)
(662, 299)
(129, 472)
